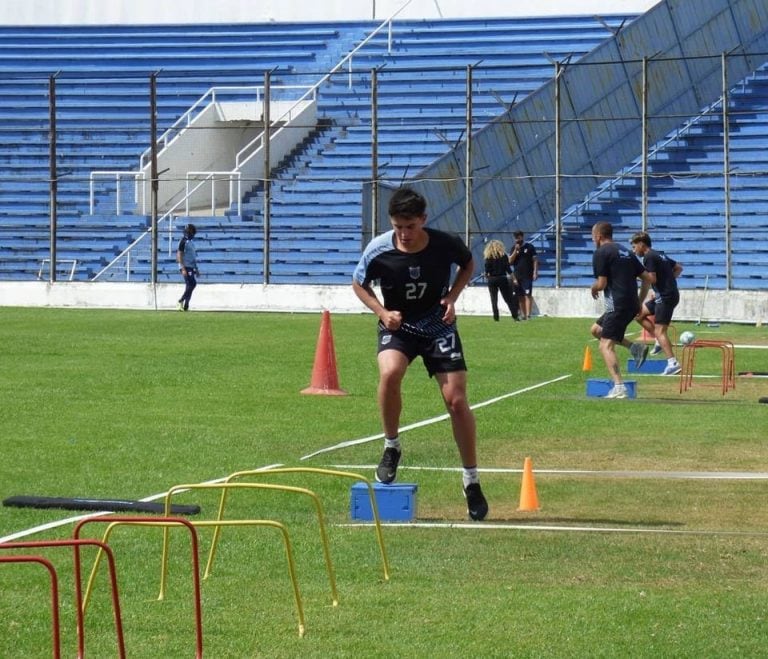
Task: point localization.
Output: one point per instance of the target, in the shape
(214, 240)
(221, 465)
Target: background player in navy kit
(186, 256)
(616, 271)
(526, 264)
(417, 317)
(664, 272)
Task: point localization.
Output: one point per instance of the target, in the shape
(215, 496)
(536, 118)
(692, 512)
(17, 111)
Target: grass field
(631, 553)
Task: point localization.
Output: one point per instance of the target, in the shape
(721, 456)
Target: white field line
(493, 526)
(77, 518)
(687, 475)
(434, 419)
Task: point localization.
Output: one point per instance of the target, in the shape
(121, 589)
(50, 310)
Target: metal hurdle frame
(260, 522)
(80, 611)
(166, 523)
(55, 625)
(728, 364)
(309, 470)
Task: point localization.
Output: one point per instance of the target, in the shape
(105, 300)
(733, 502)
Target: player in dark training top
(417, 317)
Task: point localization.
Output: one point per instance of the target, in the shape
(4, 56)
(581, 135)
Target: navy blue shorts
(662, 309)
(614, 324)
(443, 354)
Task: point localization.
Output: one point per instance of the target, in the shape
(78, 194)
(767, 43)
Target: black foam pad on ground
(114, 505)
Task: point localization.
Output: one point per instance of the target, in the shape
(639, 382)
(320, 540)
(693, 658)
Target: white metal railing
(235, 188)
(167, 217)
(200, 106)
(248, 151)
(71, 270)
(138, 188)
(212, 96)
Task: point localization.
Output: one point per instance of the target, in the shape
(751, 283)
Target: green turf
(121, 404)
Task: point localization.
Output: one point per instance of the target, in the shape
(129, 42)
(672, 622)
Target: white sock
(672, 361)
(470, 476)
(392, 443)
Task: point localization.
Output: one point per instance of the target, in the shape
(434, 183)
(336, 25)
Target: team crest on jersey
(414, 271)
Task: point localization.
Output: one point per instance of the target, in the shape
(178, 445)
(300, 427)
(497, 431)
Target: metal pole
(267, 173)
(558, 218)
(153, 174)
(374, 155)
(644, 148)
(727, 176)
(53, 174)
(468, 161)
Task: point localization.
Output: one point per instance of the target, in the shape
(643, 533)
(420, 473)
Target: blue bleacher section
(103, 122)
(316, 197)
(686, 207)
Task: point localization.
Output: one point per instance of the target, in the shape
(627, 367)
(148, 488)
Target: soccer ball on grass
(687, 337)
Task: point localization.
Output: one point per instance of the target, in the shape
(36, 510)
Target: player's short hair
(406, 202)
(641, 237)
(190, 230)
(518, 234)
(603, 229)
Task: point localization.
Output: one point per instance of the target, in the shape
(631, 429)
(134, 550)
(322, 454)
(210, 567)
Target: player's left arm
(463, 275)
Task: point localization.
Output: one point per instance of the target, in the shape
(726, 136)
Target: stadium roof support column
(558, 186)
(468, 163)
(374, 156)
(153, 174)
(644, 147)
(267, 172)
(726, 175)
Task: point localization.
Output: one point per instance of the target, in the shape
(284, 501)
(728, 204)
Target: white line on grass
(490, 526)
(691, 475)
(434, 419)
(77, 518)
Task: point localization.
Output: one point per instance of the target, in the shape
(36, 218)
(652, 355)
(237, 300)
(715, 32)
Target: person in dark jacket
(498, 274)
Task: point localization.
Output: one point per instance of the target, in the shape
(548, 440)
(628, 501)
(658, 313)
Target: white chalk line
(72, 520)
(434, 419)
(491, 526)
(687, 475)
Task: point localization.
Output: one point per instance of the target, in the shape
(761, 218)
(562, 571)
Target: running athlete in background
(417, 317)
(616, 271)
(664, 272)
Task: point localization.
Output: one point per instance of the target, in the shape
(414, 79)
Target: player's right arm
(390, 319)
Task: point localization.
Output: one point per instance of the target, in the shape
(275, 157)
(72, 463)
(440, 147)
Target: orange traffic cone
(325, 379)
(587, 366)
(529, 500)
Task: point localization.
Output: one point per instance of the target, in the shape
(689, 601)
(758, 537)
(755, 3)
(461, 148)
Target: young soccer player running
(417, 318)
(664, 272)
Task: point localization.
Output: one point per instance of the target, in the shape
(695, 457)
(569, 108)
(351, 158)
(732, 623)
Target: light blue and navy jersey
(188, 253)
(412, 283)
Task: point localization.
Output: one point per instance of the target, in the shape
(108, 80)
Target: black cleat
(386, 472)
(477, 506)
